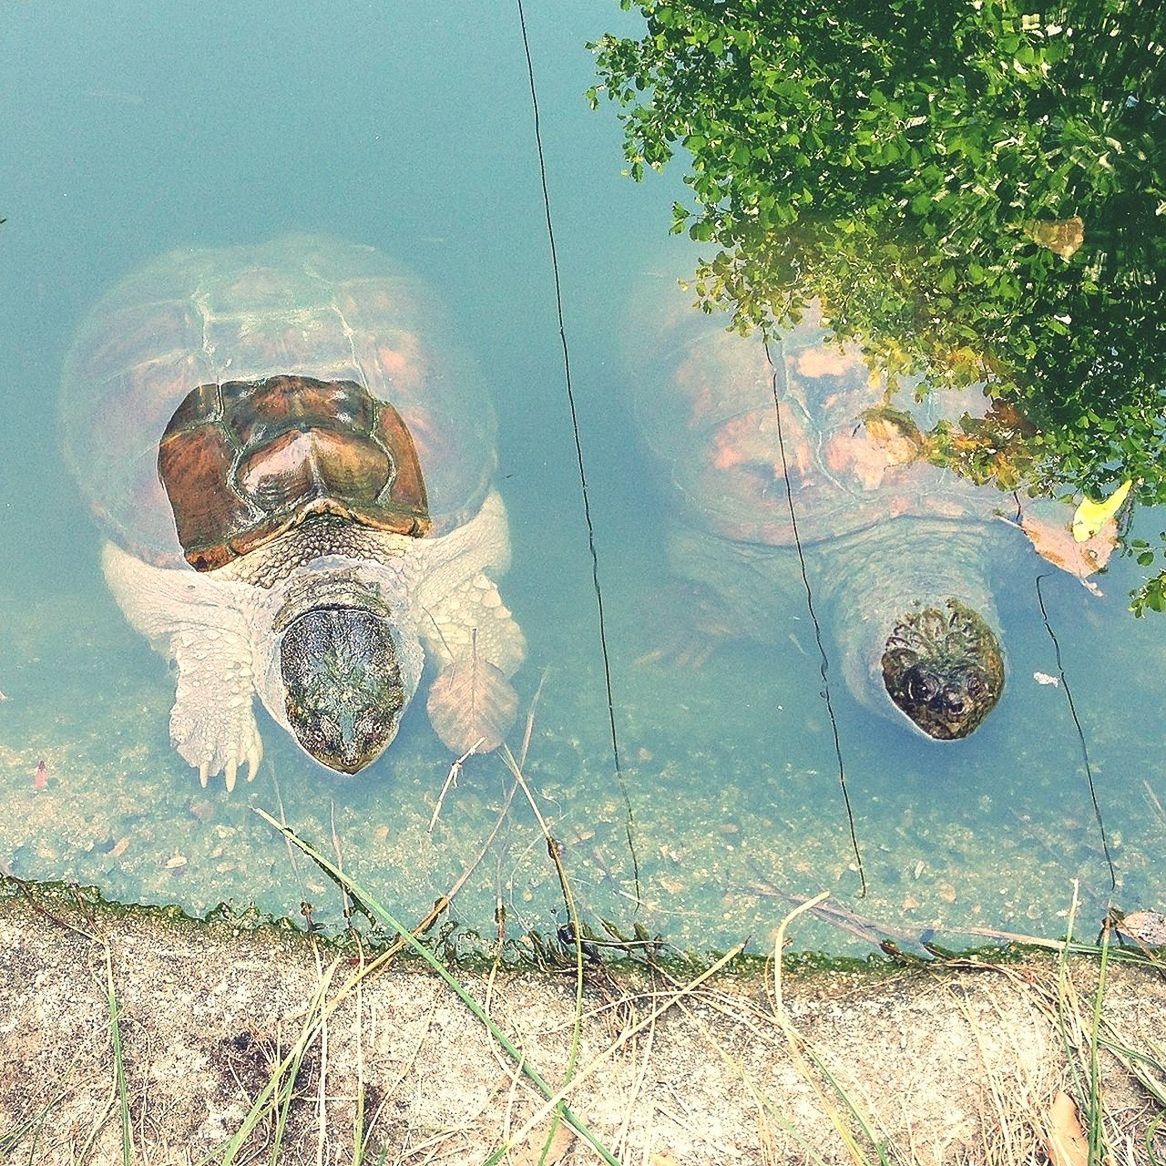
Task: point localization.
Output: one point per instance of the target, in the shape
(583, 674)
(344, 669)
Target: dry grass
(751, 1070)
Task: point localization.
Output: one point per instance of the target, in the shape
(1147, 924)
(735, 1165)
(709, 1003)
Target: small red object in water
(40, 779)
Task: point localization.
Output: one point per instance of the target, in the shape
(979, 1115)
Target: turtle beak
(353, 738)
(342, 681)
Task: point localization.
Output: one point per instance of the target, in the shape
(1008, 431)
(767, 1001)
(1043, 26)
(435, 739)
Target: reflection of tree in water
(972, 191)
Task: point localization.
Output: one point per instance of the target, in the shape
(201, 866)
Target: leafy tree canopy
(975, 191)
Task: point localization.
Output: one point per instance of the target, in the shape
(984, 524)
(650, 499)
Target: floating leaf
(1054, 541)
(1148, 927)
(472, 705)
(1065, 1141)
(1090, 516)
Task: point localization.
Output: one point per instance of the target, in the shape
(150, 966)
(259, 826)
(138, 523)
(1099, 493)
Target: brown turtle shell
(245, 461)
(216, 398)
(852, 453)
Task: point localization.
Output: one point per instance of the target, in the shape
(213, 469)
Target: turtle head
(343, 687)
(942, 665)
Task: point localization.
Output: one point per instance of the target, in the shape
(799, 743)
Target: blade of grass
(1082, 1041)
(272, 1094)
(363, 972)
(443, 902)
(412, 942)
(359, 1137)
(759, 1026)
(11, 1138)
(1064, 1012)
(1151, 1133)
(269, 1095)
(1142, 1065)
(87, 1146)
(802, 1051)
(1068, 946)
(1079, 1041)
(602, 1058)
(1098, 1148)
(119, 1070)
(631, 1103)
(282, 1099)
(764, 1103)
(346, 905)
(322, 1076)
(555, 852)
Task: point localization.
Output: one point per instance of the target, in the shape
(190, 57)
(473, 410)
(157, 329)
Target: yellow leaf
(1063, 236)
(1091, 516)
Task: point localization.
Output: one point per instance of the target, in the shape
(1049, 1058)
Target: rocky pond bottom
(736, 811)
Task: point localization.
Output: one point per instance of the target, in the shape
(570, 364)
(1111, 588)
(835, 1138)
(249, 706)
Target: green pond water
(134, 128)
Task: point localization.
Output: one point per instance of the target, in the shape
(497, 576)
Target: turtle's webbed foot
(218, 745)
(682, 653)
(688, 625)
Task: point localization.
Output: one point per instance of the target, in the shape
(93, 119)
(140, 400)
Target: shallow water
(409, 127)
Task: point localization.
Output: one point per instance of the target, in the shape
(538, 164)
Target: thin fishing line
(1080, 732)
(542, 167)
(1016, 521)
(824, 665)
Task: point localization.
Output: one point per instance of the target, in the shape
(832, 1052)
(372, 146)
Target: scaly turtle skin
(294, 468)
(896, 547)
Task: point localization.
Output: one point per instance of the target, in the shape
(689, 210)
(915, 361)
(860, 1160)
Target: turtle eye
(921, 687)
(320, 728)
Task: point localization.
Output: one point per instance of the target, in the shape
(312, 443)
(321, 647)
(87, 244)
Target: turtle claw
(680, 655)
(252, 755)
(688, 624)
(232, 767)
(212, 745)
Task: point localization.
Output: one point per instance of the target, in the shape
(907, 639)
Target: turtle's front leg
(194, 621)
(212, 723)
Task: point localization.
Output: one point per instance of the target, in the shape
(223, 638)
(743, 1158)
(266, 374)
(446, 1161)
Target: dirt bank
(945, 1064)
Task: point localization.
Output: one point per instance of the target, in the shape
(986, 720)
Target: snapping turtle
(295, 471)
(896, 547)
